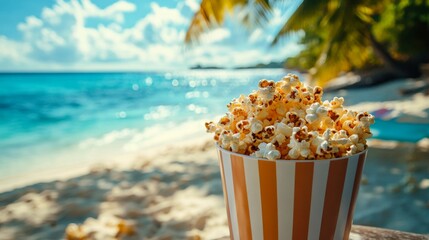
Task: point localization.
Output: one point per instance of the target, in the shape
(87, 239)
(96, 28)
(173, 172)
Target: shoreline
(120, 153)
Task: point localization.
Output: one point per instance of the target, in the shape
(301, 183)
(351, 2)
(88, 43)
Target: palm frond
(212, 13)
(307, 14)
(258, 12)
(344, 41)
(343, 51)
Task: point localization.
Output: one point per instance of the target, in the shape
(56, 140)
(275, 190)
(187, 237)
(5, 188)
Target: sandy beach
(178, 195)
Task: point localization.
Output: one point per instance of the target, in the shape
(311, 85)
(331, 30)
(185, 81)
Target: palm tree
(339, 33)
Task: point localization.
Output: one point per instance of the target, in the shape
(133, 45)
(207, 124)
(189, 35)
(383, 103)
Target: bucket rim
(252, 158)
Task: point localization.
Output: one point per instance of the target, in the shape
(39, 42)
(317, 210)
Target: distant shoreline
(279, 65)
(135, 72)
(270, 65)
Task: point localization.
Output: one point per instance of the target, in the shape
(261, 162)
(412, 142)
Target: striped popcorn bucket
(290, 199)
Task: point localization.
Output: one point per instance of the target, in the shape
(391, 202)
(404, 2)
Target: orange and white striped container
(290, 199)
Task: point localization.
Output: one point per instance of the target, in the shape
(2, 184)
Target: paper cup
(290, 199)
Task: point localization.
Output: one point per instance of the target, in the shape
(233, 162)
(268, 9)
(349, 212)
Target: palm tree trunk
(398, 68)
(381, 52)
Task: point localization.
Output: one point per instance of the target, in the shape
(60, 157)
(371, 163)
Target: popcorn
(350, 127)
(288, 120)
(293, 120)
(281, 110)
(268, 132)
(210, 127)
(281, 132)
(333, 115)
(226, 139)
(291, 80)
(356, 145)
(318, 92)
(299, 143)
(301, 113)
(261, 113)
(322, 143)
(293, 95)
(315, 112)
(255, 125)
(266, 90)
(224, 121)
(239, 112)
(347, 115)
(267, 151)
(337, 102)
(306, 95)
(243, 126)
(237, 145)
(365, 118)
(340, 137)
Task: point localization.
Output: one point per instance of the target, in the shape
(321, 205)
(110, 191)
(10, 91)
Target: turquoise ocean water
(57, 119)
(45, 115)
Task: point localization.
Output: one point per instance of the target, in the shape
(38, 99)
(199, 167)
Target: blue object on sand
(399, 131)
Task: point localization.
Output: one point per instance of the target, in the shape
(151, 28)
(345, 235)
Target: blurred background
(103, 104)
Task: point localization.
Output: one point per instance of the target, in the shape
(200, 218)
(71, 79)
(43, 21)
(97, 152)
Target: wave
(151, 139)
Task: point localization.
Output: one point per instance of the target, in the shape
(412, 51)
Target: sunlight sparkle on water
(160, 112)
(168, 76)
(121, 114)
(175, 83)
(136, 87)
(148, 81)
(192, 83)
(196, 94)
(197, 109)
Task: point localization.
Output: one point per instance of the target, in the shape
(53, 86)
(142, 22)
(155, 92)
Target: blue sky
(99, 35)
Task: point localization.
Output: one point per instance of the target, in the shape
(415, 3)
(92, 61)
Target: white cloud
(165, 25)
(60, 38)
(84, 9)
(61, 34)
(11, 51)
(256, 35)
(215, 36)
(194, 5)
(32, 21)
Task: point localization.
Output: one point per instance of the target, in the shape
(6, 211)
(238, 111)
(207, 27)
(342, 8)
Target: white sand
(177, 195)
(415, 106)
